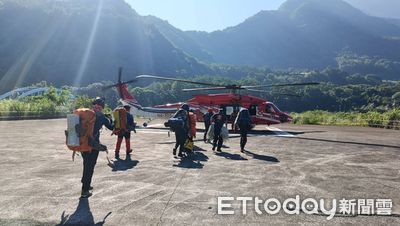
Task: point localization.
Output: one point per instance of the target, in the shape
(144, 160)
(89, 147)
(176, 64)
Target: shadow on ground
(122, 164)
(230, 156)
(193, 160)
(81, 216)
(261, 157)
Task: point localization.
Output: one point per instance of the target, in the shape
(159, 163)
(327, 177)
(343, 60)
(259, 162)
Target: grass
(389, 119)
(48, 105)
(30, 109)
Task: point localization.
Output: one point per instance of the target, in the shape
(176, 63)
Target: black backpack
(178, 121)
(207, 117)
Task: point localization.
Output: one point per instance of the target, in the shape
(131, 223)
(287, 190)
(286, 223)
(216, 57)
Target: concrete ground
(40, 185)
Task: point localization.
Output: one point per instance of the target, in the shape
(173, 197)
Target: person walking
(130, 126)
(181, 132)
(243, 122)
(218, 120)
(207, 122)
(90, 158)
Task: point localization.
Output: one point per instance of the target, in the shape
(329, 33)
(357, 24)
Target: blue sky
(211, 15)
(204, 15)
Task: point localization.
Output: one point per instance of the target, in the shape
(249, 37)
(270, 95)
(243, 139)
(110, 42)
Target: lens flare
(88, 50)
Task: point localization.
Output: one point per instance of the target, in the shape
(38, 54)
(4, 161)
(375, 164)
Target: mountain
(395, 22)
(76, 42)
(179, 38)
(302, 34)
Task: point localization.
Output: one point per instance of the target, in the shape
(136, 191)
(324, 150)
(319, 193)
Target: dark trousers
(205, 132)
(89, 162)
(217, 139)
(243, 136)
(180, 138)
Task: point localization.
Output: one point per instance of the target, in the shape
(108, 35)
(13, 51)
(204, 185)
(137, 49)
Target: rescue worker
(192, 124)
(130, 126)
(243, 122)
(218, 120)
(90, 158)
(233, 117)
(181, 134)
(188, 145)
(207, 122)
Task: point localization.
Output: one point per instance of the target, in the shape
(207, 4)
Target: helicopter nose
(289, 118)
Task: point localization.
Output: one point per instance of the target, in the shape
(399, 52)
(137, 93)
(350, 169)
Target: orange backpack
(120, 120)
(80, 130)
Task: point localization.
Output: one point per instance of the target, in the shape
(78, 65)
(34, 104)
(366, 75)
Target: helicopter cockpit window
(229, 110)
(253, 109)
(269, 109)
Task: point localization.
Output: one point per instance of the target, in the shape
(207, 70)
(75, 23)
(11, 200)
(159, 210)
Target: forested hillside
(79, 42)
(76, 42)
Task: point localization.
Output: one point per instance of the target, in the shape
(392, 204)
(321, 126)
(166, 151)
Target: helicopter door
(230, 111)
(253, 110)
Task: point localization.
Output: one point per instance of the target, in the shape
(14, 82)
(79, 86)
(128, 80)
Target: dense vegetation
(389, 119)
(78, 42)
(48, 105)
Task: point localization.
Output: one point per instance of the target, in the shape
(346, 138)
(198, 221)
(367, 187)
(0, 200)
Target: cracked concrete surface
(40, 185)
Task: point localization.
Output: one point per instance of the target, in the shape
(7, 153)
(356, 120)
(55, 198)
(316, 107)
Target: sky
(203, 15)
(211, 15)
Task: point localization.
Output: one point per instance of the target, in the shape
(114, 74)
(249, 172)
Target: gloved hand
(134, 127)
(131, 128)
(99, 147)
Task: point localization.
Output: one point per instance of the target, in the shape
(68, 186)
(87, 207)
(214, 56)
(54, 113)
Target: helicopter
(262, 112)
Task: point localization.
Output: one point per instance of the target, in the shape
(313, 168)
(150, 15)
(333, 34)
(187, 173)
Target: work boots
(86, 194)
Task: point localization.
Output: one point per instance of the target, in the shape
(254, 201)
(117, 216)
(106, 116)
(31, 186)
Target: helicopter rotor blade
(180, 80)
(116, 84)
(284, 85)
(130, 81)
(109, 86)
(204, 89)
(257, 90)
(273, 93)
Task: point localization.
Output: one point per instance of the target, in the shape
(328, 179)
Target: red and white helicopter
(262, 111)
